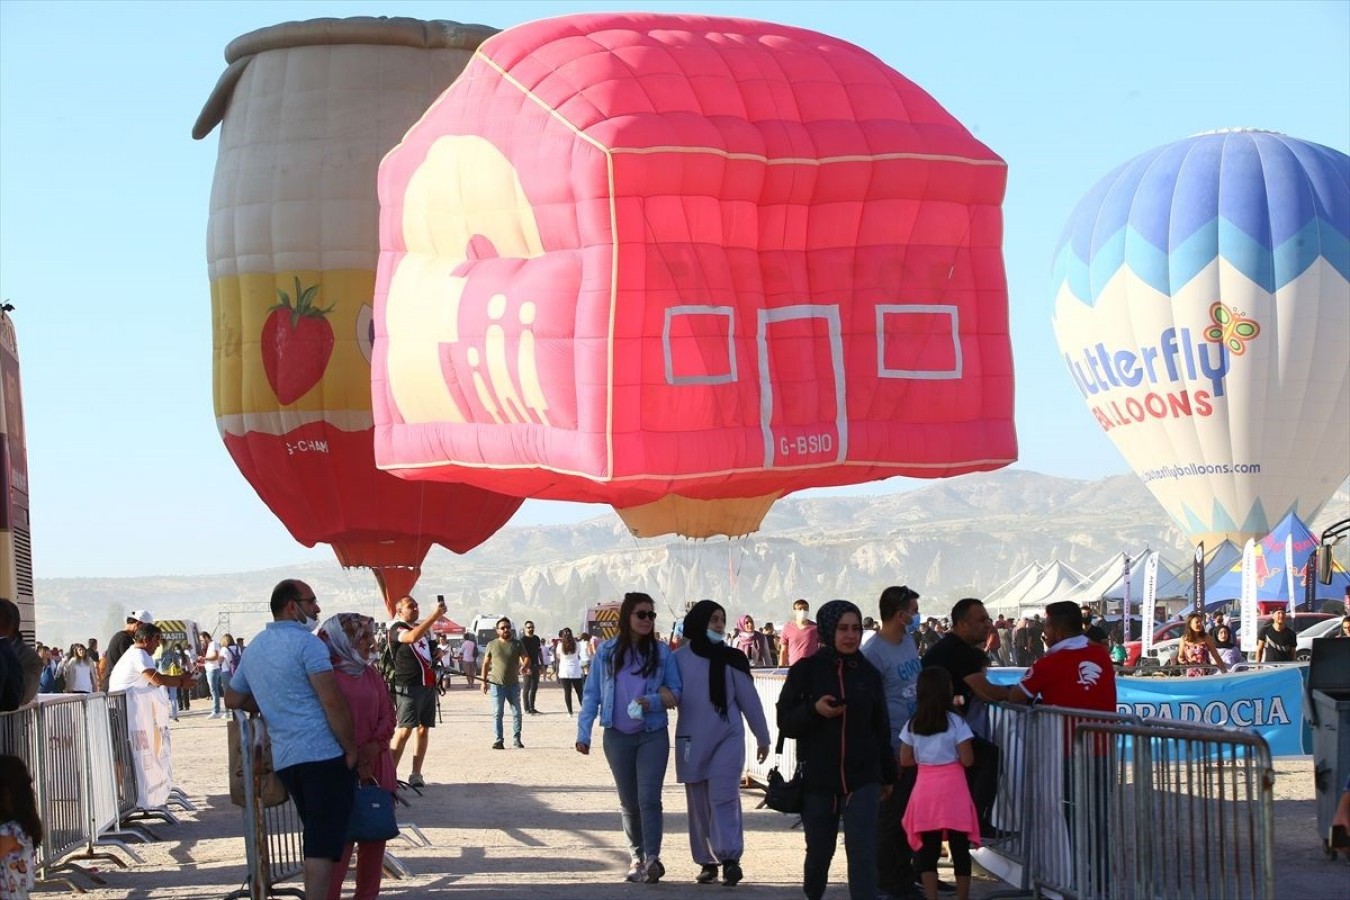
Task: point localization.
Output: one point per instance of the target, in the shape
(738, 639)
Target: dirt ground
(543, 823)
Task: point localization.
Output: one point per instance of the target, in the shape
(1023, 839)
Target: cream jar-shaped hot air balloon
(307, 110)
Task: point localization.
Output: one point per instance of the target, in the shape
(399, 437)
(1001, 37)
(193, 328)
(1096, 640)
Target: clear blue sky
(103, 209)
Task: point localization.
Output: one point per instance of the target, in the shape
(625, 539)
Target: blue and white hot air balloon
(1202, 305)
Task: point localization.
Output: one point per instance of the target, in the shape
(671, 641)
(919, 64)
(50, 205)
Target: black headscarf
(719, 656)
(827, 619)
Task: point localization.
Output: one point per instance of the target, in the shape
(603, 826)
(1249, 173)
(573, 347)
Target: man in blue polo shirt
(288, 677)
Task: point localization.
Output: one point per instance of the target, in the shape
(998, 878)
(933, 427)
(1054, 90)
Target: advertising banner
(148, 731)
(1268, 702)
(1247, 637)
(1150, 601)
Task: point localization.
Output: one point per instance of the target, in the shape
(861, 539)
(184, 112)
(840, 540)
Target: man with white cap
(121, 643)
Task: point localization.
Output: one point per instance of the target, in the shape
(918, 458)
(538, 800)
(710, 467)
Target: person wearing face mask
(834, 704)
(289, 679)
(350, 638)
(633, 681)
(717, 693)
(895, 654)
(799, 638)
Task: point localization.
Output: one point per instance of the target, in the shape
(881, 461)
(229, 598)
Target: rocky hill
(954, 538)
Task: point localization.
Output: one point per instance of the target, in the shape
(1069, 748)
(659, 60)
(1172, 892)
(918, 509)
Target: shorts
(416, 706)
(323, 792)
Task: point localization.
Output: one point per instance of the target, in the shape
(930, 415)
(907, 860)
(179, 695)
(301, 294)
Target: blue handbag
(372, 817)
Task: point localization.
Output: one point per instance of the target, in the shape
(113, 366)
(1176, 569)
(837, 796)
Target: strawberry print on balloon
(297, 342)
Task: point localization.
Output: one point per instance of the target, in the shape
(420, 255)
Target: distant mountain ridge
(954, 538)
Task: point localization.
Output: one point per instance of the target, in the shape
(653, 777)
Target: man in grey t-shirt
(895, 653)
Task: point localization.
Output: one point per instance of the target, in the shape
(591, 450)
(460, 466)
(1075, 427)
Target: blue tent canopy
(1271, 578)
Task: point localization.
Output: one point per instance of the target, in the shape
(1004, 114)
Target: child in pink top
(939, 742)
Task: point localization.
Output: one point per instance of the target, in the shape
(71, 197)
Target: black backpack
(386, 663)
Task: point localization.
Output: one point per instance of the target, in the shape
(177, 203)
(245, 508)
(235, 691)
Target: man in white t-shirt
(136, 667)
(211, 659)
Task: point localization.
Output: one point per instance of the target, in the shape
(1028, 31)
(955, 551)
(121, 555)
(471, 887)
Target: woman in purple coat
(710, 740)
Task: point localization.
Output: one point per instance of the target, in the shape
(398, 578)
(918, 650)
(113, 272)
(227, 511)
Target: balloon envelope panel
(306, 111)
(1202, 304)
(630, 257)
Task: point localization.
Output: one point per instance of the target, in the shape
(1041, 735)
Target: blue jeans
(217, 692)
(505, 694)
(820, 820)
(638, 762)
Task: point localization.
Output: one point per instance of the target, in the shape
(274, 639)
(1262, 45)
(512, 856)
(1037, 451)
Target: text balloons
(308, 109)
(1203, 309)
(685, 266)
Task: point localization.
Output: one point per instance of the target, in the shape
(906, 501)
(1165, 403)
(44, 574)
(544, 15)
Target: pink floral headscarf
(342, 633)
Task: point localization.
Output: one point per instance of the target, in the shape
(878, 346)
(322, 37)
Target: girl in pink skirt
(938, 741)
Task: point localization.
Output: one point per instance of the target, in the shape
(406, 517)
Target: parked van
(484, 629)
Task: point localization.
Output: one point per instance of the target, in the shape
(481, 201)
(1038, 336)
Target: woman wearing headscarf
(834, 705)
(750, 642)
(351, 644)
(717, 692)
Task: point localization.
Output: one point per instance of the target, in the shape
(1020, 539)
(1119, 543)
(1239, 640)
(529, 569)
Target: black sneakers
(498, 745)
(654, 871)
(731, 872)
(707, 875)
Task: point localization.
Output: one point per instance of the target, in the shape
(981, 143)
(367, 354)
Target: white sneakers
(637, 871)
(416, 780)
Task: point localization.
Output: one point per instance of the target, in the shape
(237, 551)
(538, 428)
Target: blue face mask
(914, 624)
(716, 636)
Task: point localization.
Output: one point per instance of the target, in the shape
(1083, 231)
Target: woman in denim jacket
(632, 682)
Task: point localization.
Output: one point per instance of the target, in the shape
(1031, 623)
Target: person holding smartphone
(834, 704)
(414, 682)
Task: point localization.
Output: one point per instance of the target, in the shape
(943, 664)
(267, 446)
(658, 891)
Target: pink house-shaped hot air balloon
(685, 266)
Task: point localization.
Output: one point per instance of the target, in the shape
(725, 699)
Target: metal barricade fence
(19, 737)
(101, 764)
(60, 782)
(768, 685)
(273, 836)
(124, 768)
(1035, 808)
(1008, 727)
(1176, 811)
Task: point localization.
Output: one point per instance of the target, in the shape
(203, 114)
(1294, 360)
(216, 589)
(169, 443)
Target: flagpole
(1198, 578)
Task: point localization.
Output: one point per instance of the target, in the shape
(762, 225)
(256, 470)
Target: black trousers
(982, 778)
(530, 689)
(895, 859)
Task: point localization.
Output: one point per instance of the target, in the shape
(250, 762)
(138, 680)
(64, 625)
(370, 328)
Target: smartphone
(1340, 838)
(837, 702)
(440, 600)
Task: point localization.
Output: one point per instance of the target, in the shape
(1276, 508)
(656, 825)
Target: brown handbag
(273, 791)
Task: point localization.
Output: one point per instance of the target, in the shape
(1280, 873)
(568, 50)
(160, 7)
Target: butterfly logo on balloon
(1230, 328)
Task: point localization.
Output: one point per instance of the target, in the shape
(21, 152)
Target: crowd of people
(889, 714)
(890, 724)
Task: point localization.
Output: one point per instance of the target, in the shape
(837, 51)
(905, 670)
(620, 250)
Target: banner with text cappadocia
(1268, 702)
(1202, 302)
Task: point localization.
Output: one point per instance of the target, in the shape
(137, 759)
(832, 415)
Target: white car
(1303, 646)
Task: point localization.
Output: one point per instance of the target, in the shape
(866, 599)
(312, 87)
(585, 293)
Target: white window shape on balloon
(919, 341)
(698, 345)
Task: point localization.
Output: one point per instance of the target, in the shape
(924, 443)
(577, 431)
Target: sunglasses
(646, 614)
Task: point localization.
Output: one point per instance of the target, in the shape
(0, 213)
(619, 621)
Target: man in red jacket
(1076, 673)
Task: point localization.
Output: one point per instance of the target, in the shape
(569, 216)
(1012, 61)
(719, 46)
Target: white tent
(1014, 586)
(1056, 581)
(1107, 582)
